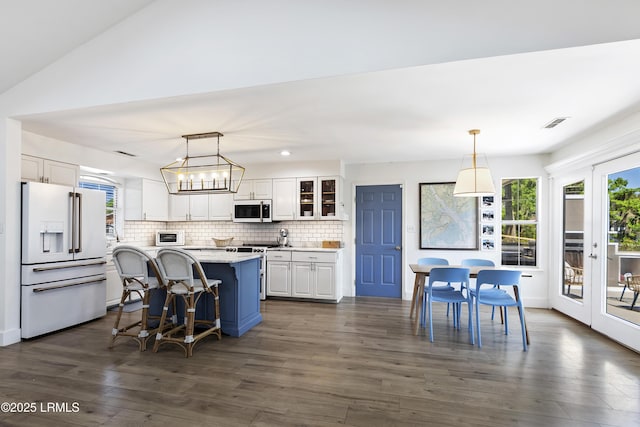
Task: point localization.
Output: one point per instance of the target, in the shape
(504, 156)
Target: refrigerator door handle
(79, 223)
(72, 222)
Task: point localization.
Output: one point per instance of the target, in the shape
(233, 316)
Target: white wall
(9, 233)
(410, 174)
(611, 140)
(289, 168)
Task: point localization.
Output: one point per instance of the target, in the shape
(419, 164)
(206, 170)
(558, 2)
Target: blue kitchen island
(239, 292)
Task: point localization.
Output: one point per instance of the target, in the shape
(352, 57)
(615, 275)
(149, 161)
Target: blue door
(379, 241)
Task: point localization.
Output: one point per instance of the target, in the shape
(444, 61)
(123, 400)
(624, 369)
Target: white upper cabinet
(220, 207)
(178, 207)
(255, 189)
(48, 171)
(283, 207)
(146, 200)
(200, 207)
(306, 198)
(319, 198)
(330, 205)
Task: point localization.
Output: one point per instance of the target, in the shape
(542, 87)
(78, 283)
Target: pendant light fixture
(476, 180)
(209, 174)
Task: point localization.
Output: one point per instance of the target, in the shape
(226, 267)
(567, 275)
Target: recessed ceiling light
(285, 153)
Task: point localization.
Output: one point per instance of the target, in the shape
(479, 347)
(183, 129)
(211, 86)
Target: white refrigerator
(63, 257)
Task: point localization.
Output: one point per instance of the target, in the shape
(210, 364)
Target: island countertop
(208, 255)
(222, 257)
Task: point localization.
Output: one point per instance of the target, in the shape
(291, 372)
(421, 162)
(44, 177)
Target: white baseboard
(9, 337)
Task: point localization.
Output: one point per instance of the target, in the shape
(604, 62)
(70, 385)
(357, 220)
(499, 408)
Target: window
(111, 206)
(519, 221)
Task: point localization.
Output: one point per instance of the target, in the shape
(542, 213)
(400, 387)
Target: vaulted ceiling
(510, 92)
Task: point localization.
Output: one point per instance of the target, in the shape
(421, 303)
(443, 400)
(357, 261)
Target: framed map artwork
(447, 222)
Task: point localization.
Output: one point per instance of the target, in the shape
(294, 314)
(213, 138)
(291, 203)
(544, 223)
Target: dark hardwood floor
(356, 363)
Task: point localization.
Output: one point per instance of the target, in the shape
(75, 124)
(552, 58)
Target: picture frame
(488, 244)
(447, 222)
(487, 201)
(488, 230)
(487, 215)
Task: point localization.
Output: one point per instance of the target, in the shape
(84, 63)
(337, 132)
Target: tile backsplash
(200, 233)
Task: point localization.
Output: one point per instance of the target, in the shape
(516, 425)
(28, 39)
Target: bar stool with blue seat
(185, 279)
(133, 266)
(418, 286)
(449, 294)
(489, 296)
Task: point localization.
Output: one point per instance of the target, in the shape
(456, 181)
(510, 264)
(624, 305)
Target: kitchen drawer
(314, 256)
(44, 273)
(279, 256)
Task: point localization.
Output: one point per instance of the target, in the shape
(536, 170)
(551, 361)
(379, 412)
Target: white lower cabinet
(279, 273)
(114, 284)
(304, 274)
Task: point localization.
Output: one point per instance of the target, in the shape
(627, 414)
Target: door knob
(398, 248)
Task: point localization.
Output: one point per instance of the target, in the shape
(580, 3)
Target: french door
(616, 213)
(597, 217)
(571, 293)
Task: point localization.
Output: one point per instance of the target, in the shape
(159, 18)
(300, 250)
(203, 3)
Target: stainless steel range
(257, 248)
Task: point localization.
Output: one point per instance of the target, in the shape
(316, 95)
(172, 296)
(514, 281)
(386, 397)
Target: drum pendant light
(475, 180)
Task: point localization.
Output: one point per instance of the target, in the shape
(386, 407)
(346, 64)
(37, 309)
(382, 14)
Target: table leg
(419, 287)
(416, 285)
(516, 293)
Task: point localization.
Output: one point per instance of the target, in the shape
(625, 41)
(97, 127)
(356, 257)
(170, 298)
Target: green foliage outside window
(519, 221)
(624, 215)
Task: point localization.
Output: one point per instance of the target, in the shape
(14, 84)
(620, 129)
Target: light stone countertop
(223, 257)
(305, 249)
(218, 250)
(204, 254)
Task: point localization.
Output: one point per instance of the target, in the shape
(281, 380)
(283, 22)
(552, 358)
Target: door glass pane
(573, 241)
(623, 251)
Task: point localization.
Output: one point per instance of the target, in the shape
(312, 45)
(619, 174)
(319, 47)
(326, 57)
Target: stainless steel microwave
(252, 211)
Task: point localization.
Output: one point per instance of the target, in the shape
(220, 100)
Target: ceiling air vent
(555, 122)
(125, 153)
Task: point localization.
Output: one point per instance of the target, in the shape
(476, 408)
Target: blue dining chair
(477, 262)
(432, 261)
(449, 294)
(493, 296)
(480, 262)
(429, 261)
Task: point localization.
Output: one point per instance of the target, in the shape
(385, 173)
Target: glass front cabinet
(329, 201)
(319, 198)
(307, 198)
